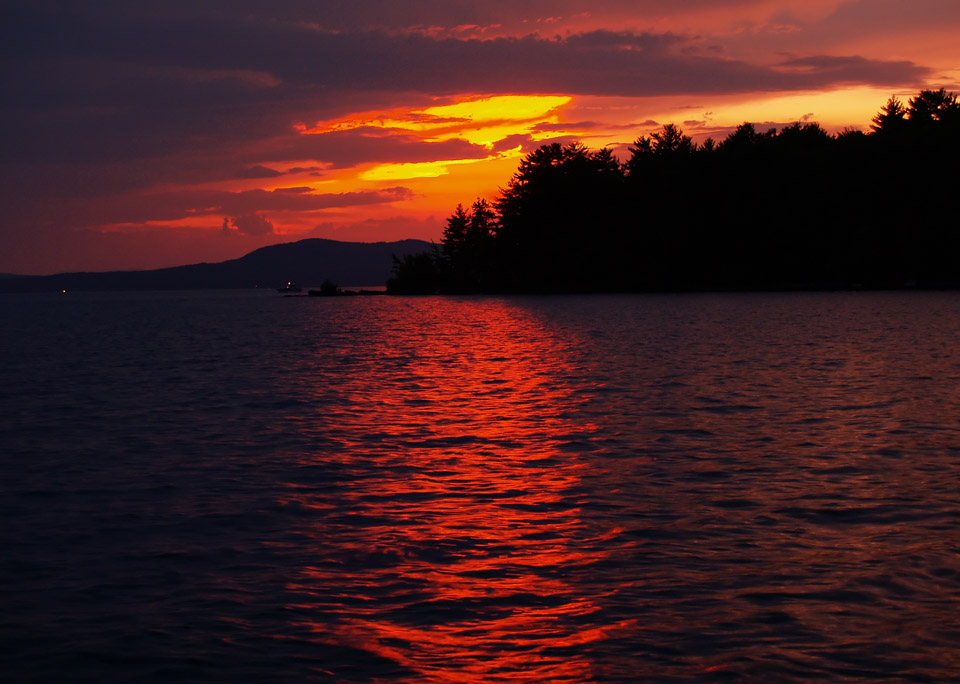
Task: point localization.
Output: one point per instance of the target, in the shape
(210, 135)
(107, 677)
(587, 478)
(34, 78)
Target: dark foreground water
(238, 487)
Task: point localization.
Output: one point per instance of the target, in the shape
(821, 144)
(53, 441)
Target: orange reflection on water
(456, 549)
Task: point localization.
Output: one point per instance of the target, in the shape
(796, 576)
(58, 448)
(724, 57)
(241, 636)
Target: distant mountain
(307, 262)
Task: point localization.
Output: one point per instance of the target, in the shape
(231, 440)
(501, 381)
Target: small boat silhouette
(290, 287)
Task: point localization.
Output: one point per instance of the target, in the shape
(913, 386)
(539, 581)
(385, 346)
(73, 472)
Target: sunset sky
(148, 134)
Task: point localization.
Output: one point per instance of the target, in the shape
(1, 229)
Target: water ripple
(219, 487)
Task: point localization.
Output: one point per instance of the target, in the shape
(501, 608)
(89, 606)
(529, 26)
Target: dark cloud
(511, 142)
(251, 224)
(112, 82)
(251, 201)
(426, 16)
(87, 87)
(314, 170)
(177, 205)
(258, 171)
(230, 58)
(342, 149)
(298, 190)
(851, 69)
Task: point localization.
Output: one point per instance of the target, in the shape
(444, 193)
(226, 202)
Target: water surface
(241, 487)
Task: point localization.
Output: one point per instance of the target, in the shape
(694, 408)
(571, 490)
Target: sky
(142, 134)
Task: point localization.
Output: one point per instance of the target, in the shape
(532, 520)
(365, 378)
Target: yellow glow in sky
(392, 172)
(481, 121)
(501, 108)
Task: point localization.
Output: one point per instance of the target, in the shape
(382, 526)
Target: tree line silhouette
(796, 208)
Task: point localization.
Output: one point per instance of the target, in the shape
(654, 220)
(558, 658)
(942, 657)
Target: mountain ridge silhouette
(307, 262)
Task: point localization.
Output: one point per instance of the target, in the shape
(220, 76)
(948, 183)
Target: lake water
(236, 486)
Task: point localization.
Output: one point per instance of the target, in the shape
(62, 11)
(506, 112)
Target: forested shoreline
(797, 208)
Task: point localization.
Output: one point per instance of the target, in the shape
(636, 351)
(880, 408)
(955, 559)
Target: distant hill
(307, 262)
